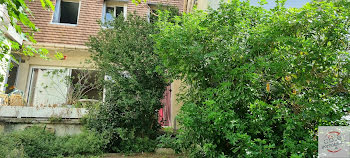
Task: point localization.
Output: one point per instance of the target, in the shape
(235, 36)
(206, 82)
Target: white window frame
(30, 78)
(8, 70)
(106, 4)
(115, 9)
(58, 9)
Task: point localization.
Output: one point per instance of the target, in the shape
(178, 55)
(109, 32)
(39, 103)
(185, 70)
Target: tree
(123, 53)
(259, 82)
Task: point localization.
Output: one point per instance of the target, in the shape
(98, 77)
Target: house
(43, 83)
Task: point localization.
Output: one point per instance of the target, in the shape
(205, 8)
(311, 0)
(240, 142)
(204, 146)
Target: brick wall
(90, 12)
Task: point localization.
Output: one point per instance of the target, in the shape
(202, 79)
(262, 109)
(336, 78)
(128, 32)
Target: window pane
(109, 13)
(48, 87)
(12, 77)
(152, 17)
(69, 12)
(84, 84)
(118, 11)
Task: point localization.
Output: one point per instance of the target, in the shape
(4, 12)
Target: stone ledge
(41, 112)
(56, 45)
(39, 121)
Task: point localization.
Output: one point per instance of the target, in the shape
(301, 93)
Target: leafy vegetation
(37, 142)
(259, 82)
(19, 15)
(124, 54)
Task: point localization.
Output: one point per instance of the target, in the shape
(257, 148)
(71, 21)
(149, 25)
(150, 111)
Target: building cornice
(55, 45)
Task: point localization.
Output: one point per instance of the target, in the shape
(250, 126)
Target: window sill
(64, 24)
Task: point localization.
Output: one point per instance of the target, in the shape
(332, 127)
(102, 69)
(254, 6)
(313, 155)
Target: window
(84, 85)
(50, 86)
(152, 12)
(152, 17)
(66, 11)
(12, 77)
(111, 10)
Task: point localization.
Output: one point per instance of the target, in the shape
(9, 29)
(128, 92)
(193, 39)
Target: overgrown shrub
(88, 142)
(37, 142)
(123, 52)
(259, 82)
(169, 141)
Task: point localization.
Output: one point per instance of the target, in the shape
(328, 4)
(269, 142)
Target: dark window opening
(118, 11)
(11, 80)
(69, 12)
(153, 18)
(84, 84)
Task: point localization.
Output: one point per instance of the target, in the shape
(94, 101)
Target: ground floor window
(62, 86)
(12, 77)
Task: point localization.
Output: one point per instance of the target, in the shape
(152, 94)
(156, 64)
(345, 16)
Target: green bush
(259, 82)
(169, 141)
(87, 142)
(9, 148)
(129, 115)
(38, 142)
(136, 145)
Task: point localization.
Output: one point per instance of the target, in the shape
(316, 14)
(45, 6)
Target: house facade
(42, 82)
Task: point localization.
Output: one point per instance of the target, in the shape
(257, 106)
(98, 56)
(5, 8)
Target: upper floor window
(113, 9)
(66, 11)
(113, 12)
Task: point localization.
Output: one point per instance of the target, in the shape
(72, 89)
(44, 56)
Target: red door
(165, 112)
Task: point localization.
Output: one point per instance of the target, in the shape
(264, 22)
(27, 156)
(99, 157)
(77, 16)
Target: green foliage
(88, 142)
(135, 145)
(38, 142)
(124, 53)
(171, 10)
(19, 15)
(55, 119)
(259, 82)
(169, 141)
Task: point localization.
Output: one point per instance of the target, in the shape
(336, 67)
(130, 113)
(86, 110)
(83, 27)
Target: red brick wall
(90, 12)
